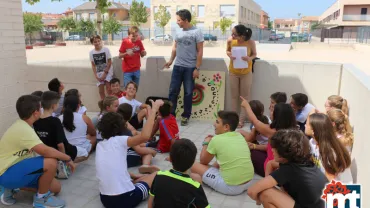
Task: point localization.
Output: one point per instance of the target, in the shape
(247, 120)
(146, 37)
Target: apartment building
(209, 12)
(51, 20)
(264, 20)
(307, 22)
(347, 13)
(288, 24)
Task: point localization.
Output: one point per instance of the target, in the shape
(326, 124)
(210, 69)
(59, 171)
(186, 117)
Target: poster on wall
(208, 96)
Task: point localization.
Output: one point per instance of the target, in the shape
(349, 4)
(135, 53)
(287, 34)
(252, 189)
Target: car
(74, 37)
(210, 37)
(273, 37)
(160, 38)
(281, 36)
(295, 37)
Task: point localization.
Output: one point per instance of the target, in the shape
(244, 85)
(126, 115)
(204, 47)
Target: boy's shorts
(213, 179)
(107, 78)
(128, 200)
(134, 121)
(24, 174)
(134, 160)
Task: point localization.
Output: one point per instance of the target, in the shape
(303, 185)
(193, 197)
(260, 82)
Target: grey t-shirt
(186, 49)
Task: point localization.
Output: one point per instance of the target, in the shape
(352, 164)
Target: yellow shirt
(16, 143)
(234, 43)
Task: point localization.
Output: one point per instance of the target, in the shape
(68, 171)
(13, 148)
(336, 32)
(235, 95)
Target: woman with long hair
(240, 79)
(341, 127)
(329, 153)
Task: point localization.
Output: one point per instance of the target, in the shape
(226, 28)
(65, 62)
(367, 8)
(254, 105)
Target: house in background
(307, 22)
(289, 24)
(51, 21)
(264, 22)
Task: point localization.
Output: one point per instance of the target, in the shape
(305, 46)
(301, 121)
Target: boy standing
(57, 86)
(131, 50)
(115, 86)
(233, 173)
(101, 62)
(18, 167)
(175, 188)
(168, 129)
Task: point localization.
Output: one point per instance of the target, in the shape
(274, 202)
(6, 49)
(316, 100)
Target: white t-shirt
(134, 103)
(302, 115)
(344, 177)
(100, 58)
(82, 110)
(111, 166)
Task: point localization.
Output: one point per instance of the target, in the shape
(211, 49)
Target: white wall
(13, 60)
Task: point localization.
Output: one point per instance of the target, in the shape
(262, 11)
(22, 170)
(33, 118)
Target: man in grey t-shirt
(188, 51)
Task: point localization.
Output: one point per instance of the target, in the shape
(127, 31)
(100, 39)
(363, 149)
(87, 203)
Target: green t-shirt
(233, 156)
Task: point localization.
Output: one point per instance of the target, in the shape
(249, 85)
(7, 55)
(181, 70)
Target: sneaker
(6, 196)
(62, 172)
(184, 121)
(48, 201)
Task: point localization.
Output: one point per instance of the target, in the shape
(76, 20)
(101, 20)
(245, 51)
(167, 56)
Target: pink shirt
(270, 155)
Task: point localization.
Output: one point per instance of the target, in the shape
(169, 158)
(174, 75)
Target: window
(286, 26)
(249, 15)
(363, 11)
(241, 11)
(168, 9)
(227, 10)
(78, 17)
(155, 9)
(192, 9)
(277, 26)
(178, 8)
(92, 16)
(201, 10)
(245, 12)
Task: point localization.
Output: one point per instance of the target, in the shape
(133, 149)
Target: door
(363, 11)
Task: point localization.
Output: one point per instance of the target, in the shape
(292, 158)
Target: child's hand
(129, 52)
(244, 103)
(154, 153)
(71, 165)
(232, 58)
(155, 105)
(143, 53)
(167, 159)
(246, 58)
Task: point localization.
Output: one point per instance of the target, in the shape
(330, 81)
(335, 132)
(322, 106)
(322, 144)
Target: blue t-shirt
(186, 46)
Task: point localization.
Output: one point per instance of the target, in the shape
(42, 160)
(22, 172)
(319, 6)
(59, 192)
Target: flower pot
(29, 47)
(39, 44)
(61, 44)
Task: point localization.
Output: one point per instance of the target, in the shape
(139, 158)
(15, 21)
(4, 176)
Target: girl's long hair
(70, 105)
(340, 121)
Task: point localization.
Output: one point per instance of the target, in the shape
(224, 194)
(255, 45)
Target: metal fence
(343, 35)
(363, 35)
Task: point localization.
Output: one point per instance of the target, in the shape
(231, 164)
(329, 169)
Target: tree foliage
(111, 26)
(270, 25)
(86, 26)
(315, 26)
(67, 24)
(32, 23)
(138, 13)
(194, 21)
(162, 17)
(224, 24)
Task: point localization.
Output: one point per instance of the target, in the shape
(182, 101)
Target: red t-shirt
(168, 130)
(131, 63)
(120, 94)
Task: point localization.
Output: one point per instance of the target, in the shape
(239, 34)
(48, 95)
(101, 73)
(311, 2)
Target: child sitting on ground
(50, 131)
(78, 128)
(136, 118)
(275, 98)
(58, 87)
(75, 92)
(116, 188)
(125, 110)
(256, 141)
(341, 127)
(137, 155)
(302, 108)
(18, 166)
(115, 86)
(109, 104)
(302, 181)
(37, 93)
(168, 129)
(175, 187)
(101, 63)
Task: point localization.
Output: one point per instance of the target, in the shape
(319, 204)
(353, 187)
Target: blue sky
(278, 9)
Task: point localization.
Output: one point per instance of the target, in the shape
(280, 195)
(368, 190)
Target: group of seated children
(296, 147)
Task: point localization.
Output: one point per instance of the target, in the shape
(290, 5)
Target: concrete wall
(355, 87)
(13, 60)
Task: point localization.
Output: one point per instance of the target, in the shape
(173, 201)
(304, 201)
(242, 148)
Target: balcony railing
(356, 18)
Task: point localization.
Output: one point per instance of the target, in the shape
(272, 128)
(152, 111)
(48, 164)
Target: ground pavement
(81, 190)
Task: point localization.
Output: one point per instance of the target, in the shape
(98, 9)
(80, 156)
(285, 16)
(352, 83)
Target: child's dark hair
(258, 109)
(70, 106)
(133, 83)
(37, 93)
(114, 81)
(166, 108)
(54, 85)
(292, 145)
(279, 97)
(125, 110)
(334, 156)
(300, 99)
(230, 118)
(184, 14)
(49, 98)
(110, 125)
(92, 38)
(72, 92)
(283, 117)
(182, 154)
(243, 31)
(26, 105)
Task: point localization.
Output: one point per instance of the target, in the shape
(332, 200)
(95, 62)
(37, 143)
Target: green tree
(86, 26)
(224, 24)
(67, 24)
(162, 17)
(315, 26)
(270, 23)
(32, 23)
(194, 21)
(101, 6)
(138, 13)
(110, 27)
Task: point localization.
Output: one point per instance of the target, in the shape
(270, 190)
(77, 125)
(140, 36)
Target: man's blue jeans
(131, 76)
(182, 75)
